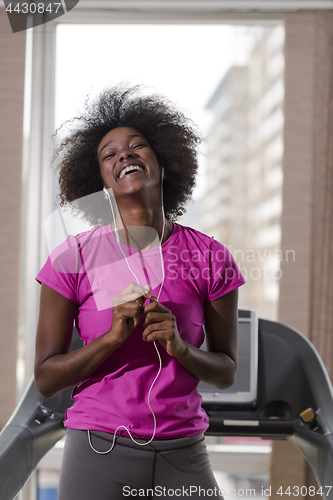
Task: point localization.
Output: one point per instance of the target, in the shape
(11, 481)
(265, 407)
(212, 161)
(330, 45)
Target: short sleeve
(225, 275)
(61, 269)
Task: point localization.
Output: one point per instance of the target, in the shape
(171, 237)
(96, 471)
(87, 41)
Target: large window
(229, 80)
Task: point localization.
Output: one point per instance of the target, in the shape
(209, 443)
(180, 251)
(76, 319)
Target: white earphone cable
(154, 342)
(117, 236)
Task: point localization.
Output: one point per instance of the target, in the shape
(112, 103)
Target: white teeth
(128, 169)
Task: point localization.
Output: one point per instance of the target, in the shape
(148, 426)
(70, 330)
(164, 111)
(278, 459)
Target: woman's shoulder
(198, 241)
(65, 254)
(194, 235)
(93, 232)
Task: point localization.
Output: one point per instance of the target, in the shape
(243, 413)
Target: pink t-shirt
(90, 269)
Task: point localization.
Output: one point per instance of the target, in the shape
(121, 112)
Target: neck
(139, 216)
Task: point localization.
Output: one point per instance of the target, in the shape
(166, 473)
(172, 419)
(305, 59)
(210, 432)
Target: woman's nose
(126, 153)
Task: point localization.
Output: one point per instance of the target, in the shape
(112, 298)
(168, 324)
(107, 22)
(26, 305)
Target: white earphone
(107, 196)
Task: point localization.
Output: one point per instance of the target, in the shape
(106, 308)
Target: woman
(142, 151)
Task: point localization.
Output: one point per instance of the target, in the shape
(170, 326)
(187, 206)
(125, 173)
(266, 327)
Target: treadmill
(282, 391)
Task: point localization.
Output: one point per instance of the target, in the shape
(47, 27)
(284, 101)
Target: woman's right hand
(55, 367)
(127, 310)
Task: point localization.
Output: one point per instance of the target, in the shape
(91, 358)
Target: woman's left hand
(160, 324)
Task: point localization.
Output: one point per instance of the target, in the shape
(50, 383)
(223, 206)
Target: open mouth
(129, 170)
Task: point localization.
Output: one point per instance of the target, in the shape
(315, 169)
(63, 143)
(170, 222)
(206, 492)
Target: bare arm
(218, 366)
(55, 367)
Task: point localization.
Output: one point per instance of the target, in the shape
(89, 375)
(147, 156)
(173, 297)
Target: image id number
(33, 8)
(303, 491)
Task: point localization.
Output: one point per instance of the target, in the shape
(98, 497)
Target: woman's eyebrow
(128, 137)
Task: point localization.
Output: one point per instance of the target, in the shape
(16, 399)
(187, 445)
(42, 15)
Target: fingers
(156, 317)
(123, 299)
(155, 306)
(158, 322)
(132, 292)
(156, 313)
(134, 287)
(158, 331)
(128, 311)
(128, 305)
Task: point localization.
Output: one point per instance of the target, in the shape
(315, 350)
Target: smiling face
(127, 162)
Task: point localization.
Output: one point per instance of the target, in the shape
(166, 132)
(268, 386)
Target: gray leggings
(172, 468)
